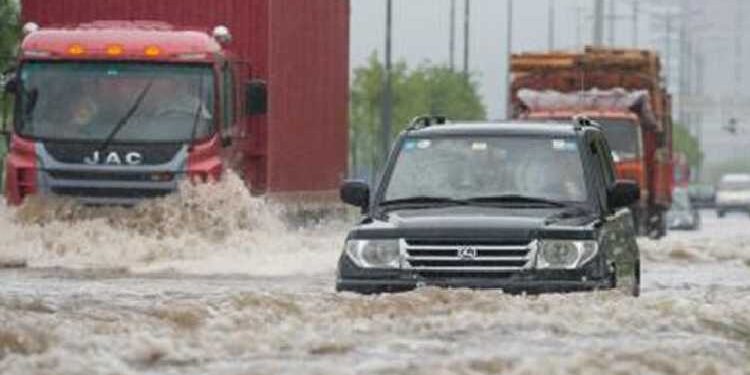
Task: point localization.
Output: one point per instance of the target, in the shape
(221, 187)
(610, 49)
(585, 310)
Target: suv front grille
(467, 258)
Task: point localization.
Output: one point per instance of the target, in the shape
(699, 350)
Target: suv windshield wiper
(423, 200)
(516, 198)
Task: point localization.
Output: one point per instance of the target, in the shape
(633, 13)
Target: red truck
(620, 89)
(117, 101)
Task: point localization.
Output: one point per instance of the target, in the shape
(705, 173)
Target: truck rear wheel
(636, 292)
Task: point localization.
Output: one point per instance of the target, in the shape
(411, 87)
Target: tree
(9, 33)
(687, 144)
(427, 89)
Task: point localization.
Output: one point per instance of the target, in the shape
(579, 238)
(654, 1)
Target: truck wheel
(720, 214)
(636, 292)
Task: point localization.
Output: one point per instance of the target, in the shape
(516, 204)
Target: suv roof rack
(425, 121)
(583, 121)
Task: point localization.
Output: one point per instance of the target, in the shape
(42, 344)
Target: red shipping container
(300, 47)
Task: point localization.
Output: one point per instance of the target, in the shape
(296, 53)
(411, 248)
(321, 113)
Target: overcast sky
(421, 32)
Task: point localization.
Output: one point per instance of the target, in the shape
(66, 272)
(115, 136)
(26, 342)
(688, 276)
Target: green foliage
(9, 31)
(686, 143)
(9, 34)
(427, 89)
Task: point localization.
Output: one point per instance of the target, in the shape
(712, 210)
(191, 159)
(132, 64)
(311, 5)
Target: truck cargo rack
(425, 121)
(583, 121)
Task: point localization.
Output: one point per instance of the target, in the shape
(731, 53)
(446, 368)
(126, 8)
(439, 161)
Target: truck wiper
(124, 120)
(516, 198)
(423, 200)
(197, 115)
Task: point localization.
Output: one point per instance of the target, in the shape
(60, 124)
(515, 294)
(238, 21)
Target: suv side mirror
(256, 97)
(356, 193)
(623, 194)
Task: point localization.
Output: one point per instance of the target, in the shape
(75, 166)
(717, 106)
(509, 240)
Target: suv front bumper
(367, 281)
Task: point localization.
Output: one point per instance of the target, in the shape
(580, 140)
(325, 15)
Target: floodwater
(212, 282)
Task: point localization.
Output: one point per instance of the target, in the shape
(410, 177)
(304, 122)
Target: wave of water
(213, 228)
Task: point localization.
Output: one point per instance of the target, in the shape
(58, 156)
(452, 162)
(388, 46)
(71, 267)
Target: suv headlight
(559, 254)
(374, 253)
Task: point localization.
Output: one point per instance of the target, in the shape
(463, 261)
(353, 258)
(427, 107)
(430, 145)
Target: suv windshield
(476, 167)
(88, 101)
(623, 137)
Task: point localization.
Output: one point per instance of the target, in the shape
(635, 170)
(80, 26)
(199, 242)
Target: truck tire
(636, 292)
(720, 213)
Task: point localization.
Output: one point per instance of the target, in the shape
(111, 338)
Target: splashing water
(210, 228)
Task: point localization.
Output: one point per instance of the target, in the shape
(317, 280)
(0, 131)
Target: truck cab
(115, 112)
(518, 206)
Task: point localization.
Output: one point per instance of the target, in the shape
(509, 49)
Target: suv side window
(605, 157)
(600, 170)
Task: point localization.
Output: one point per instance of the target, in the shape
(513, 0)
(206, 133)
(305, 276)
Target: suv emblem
(467, 253)
(113, 158)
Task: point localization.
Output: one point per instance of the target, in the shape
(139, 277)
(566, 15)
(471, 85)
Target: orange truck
(622, 90)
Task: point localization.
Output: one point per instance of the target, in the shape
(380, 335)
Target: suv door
(618, 233)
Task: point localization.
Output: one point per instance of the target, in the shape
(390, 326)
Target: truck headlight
(559, 254)
(374, 253)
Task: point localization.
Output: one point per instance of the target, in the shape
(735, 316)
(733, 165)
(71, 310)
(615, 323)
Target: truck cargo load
(620, 89)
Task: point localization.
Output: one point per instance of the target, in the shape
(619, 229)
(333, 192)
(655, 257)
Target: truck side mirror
(10, 84)
(623, 193)
(356, 193)
(256, 97)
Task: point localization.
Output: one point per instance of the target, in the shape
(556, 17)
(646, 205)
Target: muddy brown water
(216, 284)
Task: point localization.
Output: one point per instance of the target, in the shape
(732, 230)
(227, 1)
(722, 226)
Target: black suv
(523, 207)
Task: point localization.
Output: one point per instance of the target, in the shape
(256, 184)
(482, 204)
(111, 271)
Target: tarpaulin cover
(637, 102)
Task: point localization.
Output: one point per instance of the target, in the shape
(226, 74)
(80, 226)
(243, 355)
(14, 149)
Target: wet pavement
(219, 286)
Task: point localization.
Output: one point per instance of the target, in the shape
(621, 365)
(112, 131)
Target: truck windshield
(89, 101)
(624, 138)
(477, 167)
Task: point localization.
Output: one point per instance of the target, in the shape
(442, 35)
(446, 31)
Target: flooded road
(219, 286)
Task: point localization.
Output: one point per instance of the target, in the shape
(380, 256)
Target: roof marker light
(114, 50)
(221, 34)
(76, 50)
(152, 51)
(30, 27)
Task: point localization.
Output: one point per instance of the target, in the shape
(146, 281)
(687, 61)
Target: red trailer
(297, 148)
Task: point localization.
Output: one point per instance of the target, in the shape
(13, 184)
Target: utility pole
(387, 98)
(467, 38)
(453, 36)
(598, 23)
(509, 55)
(551, 25)
(611, 19)
(635, 23)
(738, 53)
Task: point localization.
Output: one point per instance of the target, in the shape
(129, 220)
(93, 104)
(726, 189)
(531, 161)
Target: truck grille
(123, 193)
(468, 258)
(112, 176)
(73, 153)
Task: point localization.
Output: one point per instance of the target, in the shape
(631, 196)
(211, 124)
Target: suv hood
(472, 221)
